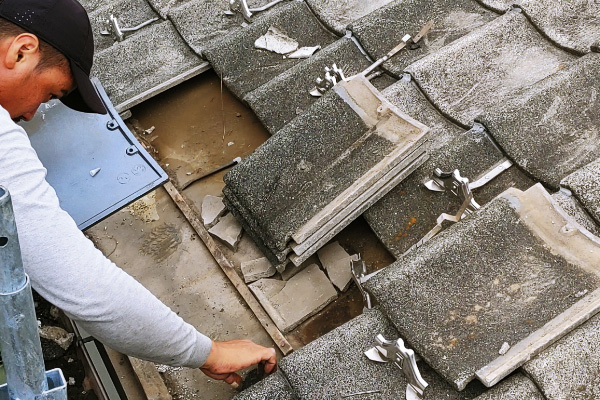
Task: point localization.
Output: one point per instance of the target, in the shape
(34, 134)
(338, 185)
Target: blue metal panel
(71, 144)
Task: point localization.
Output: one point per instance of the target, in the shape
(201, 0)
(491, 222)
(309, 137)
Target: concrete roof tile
(283, 98)
(573, 25)
(200, 22)
(153, 56)
(515, 387)
(584, 184)
(551, 128)
(337, 15)
(129, 13)
(338, 361)
(383, 29)
(487, 67)
(488, 280)
(570, 369)
(571, 205)
(245, 68)
(499, 5)
(410, 210)
(273, 387)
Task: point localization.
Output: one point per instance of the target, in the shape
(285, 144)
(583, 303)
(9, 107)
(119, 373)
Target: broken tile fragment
(336, 262)
(244, 67)
(277, 41)
(228, 230)
(570, 369)
(254, 270)
(487, 67)
(212, 209)
(498, 276)
(291, 303)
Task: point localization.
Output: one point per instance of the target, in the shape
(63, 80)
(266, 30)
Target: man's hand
(226, 358)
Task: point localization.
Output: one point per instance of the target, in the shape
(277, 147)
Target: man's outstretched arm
(67, 270)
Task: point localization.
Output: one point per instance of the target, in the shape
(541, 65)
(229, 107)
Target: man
(46, 52)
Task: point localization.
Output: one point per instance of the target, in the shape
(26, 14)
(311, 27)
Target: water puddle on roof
(200, 125)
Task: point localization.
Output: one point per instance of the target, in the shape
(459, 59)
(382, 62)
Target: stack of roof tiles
(320, 172)
(493, 79)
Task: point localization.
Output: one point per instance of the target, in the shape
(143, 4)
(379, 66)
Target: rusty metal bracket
(359, 275)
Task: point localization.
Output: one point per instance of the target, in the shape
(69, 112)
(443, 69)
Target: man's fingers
(232, 378)
(270, 361)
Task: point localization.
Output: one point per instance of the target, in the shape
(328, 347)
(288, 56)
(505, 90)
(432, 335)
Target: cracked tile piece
(129, 13)
(573, 25)
(497, 276)
(291, 303)
(584, 184)
(212, 209)
(402, 217)
(137, 65)
(383, 29)
(273, 387)
(338, 360)
(284, 97)
(336, 262)
(245, 68)
(254, 270)
(487, 67)
(570, 369)
(228, 230)
(515, 387)
(551, 129)
(337, 15)
(202, 22)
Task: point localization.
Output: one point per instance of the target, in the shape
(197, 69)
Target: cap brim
(84, 98)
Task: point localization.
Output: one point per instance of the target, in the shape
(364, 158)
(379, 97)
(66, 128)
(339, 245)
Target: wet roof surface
(493, 80)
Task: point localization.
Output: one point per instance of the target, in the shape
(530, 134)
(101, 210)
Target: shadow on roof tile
(337, 15)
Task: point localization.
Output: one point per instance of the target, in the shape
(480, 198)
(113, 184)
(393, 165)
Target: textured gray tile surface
(129, 13)
(515, 387)
(585, 184)
(200, 22)
(273, 387)
(382, 30)
(338, 361)
(487, 280)
(278, 182)
(574, 24)
(245, 68)
(283, 98)
(409, 211)
(499, 5)
(552, 128)
(164, 6)
(145, 60)
(570, 369)
(487, 67)
(569, 203)
(337, 15)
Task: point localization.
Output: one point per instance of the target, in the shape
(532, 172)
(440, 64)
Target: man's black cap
(65, 25)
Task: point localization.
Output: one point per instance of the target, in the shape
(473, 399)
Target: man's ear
(23, 51)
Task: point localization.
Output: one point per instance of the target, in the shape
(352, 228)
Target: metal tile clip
(333, 76)
(112, 28)
(385, 351)
(241, 7)
(359, 275)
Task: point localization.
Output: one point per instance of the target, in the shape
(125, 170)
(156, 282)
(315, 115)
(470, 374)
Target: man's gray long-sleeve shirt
(68, 271)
